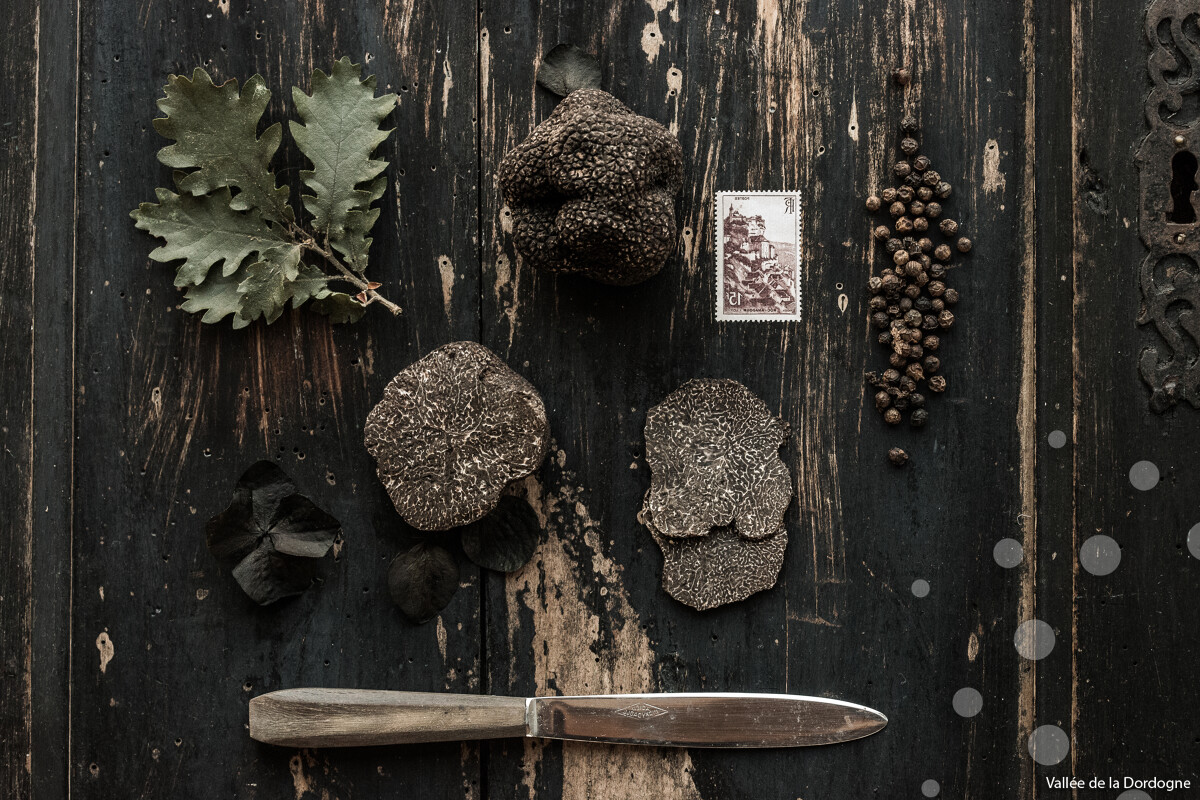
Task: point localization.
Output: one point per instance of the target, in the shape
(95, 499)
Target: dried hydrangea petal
(452, 431)
(267, 575)
(422, 580)
(713, 452)
(505, 539)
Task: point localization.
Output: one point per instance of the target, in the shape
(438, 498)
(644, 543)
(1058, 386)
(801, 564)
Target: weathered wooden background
(125, 422)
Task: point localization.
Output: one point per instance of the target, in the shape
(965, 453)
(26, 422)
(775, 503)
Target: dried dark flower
(422, 580)
(505, 539)
(452, 432)
(713, 452)
(272, 536)
(592, 191)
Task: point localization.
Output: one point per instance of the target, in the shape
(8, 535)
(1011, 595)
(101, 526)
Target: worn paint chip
(105, 645)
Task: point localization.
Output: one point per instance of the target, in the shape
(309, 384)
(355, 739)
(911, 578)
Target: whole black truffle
(592, 191)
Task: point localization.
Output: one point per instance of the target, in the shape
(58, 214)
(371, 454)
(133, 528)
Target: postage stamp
(758, 256)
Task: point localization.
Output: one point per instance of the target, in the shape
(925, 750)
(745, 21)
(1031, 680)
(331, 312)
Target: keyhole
(1183, 184)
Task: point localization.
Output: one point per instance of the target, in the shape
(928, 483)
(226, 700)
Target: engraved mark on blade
(641, 711)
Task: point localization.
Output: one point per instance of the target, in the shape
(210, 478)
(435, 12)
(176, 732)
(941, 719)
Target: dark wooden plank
(764, 99)
(1129, 636)
(18, 155)
(53, 298)
(171, 411)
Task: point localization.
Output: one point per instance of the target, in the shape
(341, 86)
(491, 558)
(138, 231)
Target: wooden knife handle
(356, 717)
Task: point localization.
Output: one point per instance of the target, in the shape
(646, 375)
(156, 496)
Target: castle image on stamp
(758, 255)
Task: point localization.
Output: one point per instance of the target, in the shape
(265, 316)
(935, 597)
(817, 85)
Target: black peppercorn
(898, 360)
(897, 456)
(885, 338)
(880, 319)
(937, 383)
(925, 261)
(932, 178)
(877, 303)
(905, 194)
(902, 77)
(925, 244)
(922, 279)
(897, 209)
(907, 384)
(951, 296)
(874, 203)
(874, 284)
(922, 304)
(913, 181)
(890, 376)
(918, 418)
(891, 416)
(905, 303)
(943, 190)
(965, 245)
(937, 305)
(892, 284)
(932, 364)
(900, 257)
(946, 318)
(925, 194)
(915, 372)
(888, 195)
(932, 342)
(883, 232)
(917, 399)
(916, 351)
(930, 322)
(909, 124)
(893, 245)
(912, 292)
(904, 225)
(902, 169)
(893, 310)
(936, 288)
(916, 208)
(901, 402)
(942, 252)
(948, 227)
(882, 400)
(920, 224)
(913, 318)
(937, 271)
(908, 145)
(933, 210)
(921, 163)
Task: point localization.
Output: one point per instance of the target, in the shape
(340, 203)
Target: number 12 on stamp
(758, 255)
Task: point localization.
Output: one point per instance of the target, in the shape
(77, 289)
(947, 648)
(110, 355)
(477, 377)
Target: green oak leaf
(339, 133)
(203, 231)
(217, 297)
(340, 308)
(215, 129)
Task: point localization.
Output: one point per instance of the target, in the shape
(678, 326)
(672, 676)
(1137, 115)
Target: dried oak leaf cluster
(718, 492)
(236, 236)
(272, 536)
(910, 300)
(592, 190)
(453, 435)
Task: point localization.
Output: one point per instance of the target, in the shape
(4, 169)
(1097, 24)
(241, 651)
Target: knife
(356, 717)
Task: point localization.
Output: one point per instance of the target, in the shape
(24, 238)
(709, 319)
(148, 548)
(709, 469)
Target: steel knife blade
(354, 717)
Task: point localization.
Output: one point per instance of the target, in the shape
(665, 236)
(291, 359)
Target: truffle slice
(452, 432)
(709, 571)
(713, 452)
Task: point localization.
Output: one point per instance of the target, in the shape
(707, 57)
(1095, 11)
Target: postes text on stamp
(758, 255)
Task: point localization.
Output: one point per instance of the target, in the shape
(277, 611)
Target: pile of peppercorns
(910, 301)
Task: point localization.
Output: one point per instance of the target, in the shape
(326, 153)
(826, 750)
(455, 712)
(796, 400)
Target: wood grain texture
(126, 422)
(362, 717)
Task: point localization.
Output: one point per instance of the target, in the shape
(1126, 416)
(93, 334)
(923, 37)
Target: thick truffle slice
(592, 191)
(713, 452)
(452, 431)
(710, 571)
